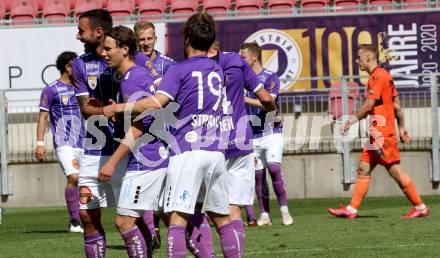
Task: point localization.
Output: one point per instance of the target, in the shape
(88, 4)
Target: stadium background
(309, 50)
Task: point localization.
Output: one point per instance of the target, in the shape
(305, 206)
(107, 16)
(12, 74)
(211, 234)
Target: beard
(90, 47)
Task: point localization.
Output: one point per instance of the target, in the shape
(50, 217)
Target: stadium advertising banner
(303, 47)
(29, 54)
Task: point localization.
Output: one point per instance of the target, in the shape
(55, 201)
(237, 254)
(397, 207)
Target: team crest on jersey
(281, 54)
(92, 80)
(65, 99)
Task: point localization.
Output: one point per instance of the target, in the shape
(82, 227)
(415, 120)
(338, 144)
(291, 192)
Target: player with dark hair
(157, 63)
(95, 85)
(196, 159)
(66, 123)
(383, 105)
(268, 138)
(144, 180)
(238, 141)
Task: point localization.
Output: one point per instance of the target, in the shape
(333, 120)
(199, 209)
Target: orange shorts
(387, 154)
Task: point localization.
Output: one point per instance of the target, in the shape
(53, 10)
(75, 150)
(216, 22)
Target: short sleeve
(170, 84)
(273, 85)
(395, 93)
(79, 77)
(144, 61)
(167, 63)
(251, 82)
(46, 99)
(375, 86)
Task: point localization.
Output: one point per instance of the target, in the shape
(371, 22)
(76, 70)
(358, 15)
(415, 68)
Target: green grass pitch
(379, 232)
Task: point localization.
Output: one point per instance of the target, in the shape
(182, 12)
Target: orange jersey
(381, 88)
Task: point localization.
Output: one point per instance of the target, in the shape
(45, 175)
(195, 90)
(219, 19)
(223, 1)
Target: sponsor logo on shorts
(85, 195)
(185, 195)
(138, 191)
(191, 136)
(75, 164)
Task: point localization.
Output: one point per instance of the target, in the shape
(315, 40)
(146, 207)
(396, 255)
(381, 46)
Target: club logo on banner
(281, 54)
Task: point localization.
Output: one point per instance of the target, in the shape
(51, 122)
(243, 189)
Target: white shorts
(241, 179)
(95, 194)
(268, 149)
(185, 175)
(141, 191)
(68, 159)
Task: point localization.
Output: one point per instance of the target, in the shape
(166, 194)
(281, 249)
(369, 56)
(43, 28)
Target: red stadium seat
(217, 7)
(120, 7)
(249, 7)
(280, 6)
(8, 4)
(86, 5)
(23, 11)
(335, 97)
(151, 9)
(55, 11)
(415, 4)
(182, 9)
(313, 6)
(2, 10)
(40, 4)
(381, 5)
(347, 5)
(72, 4)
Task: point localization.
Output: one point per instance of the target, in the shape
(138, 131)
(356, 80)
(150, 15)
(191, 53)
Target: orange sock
(409, 190)
(360, 190)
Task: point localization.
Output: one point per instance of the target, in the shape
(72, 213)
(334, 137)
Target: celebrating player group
(185, 143)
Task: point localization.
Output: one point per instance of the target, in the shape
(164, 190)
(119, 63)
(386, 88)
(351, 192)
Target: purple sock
(134, 243)
(229, 241)
(199, 232)
(259, 189)
(148, 218)
(266, 197)
(176, 242)
(95, 245)
(250, 212)
(239, 227)
(72, 200)
(278, 183)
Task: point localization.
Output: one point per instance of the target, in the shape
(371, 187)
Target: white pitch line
(371, 247)
(342, 248)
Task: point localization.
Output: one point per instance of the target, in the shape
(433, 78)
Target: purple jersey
(66, 121)
(162, 63)
(143, 60)
(196, 86)
(136, 84)
(272, 85)
(239, 76)
(93, 77)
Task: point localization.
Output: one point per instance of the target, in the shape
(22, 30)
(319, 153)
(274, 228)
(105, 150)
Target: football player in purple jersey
(66, 123)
